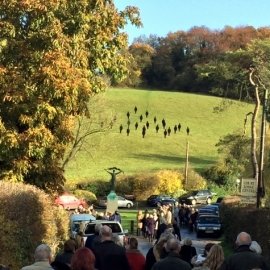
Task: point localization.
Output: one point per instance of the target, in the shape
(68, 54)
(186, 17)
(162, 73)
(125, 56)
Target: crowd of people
(161, 227)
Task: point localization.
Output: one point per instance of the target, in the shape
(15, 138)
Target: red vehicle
(69, 201)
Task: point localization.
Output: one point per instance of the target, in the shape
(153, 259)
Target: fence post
(132, 226)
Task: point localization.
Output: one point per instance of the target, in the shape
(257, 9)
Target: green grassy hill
(134, 154)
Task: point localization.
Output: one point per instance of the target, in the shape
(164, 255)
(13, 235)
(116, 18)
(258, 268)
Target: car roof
(208, 215)
(82, 217)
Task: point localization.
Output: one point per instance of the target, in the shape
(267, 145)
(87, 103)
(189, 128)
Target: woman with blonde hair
(214, 258)
(139, 222)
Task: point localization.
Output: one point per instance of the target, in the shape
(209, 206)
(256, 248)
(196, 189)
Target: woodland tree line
(199, 60)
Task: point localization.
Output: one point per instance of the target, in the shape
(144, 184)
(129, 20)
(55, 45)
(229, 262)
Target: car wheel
(208, 201)
(193, 202)
(128, 205)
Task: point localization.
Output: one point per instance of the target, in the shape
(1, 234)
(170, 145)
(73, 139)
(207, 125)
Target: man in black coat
(108, 254)
(243, 258)
(173, 260)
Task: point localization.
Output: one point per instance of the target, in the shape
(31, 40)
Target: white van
(89, 229)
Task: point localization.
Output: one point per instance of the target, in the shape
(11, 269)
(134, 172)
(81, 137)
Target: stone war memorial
(112, 199)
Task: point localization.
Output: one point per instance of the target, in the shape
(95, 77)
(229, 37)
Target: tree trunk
(254, 128)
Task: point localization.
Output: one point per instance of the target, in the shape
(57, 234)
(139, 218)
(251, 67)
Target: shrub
(27, 219)
(254, 221)
(145, 184)
(98, 187)
(195, 181)
(85, 194)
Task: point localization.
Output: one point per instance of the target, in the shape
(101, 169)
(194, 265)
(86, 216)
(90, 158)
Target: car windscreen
(191, 193)
(90, 228)
(207, 220)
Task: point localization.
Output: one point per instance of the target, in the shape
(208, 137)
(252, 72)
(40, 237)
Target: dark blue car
(154, 200)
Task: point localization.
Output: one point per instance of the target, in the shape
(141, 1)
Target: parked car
(130, 197)
(154, 200)
(76, 221)
(209, 209)
(208, 224)
(196, 196)
(89, 229)
(122, 202)
(69, 201)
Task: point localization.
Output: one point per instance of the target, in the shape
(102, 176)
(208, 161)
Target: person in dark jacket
(244, 258)
(65, 257)
(158, 251)
(173, 260)
(94, 239)
(187, 251)
(108, 254)
(116, 217)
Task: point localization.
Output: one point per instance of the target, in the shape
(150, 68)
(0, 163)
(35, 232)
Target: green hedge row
(28, 218)
(249, 219)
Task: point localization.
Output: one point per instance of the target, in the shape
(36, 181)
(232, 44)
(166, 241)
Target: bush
(254, 221)
(27, 219)
(145, 184)
(97, 187)
(195, 181)
(85, 194)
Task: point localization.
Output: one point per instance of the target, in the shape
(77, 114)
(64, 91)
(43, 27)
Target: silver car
(122, 202)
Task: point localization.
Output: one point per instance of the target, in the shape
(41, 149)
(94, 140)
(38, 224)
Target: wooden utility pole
(186, 167)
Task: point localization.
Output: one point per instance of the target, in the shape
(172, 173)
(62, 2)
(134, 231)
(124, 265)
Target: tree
(53, 58)
(99, 120)
(254, 71)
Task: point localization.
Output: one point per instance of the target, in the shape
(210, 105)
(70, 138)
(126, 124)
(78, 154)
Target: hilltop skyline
(173, 15)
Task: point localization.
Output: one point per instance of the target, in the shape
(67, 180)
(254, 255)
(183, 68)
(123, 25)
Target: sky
(160, 17)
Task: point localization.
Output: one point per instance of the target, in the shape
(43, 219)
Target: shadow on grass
(176, 159)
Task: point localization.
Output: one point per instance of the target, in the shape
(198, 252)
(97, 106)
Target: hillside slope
(135, 154)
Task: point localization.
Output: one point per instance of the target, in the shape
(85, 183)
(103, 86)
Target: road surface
(199, 244)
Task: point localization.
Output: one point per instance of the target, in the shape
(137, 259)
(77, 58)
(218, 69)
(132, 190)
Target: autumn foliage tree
(53, 58)
(178, 55)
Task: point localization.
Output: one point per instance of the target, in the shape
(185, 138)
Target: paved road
(199, 244)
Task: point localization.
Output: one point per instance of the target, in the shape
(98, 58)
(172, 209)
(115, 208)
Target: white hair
(42, 253)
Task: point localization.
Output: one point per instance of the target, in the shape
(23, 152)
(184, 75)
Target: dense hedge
(27, 219)
(254, 221)
(85, 194)
(147, 183)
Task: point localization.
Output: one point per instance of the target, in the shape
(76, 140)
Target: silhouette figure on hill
(165, 133)
(179, 127)
(146, 114)
(135, 109)
(128, 131)
(136, 125)
(128, 115)
(143, 131)
(120, 128)
(163, 123)
(147, 124)
(128, 122)
(188, 130)
(141, 118)
(169, 131)
(155, 119)
(157, 128)
(175, 129)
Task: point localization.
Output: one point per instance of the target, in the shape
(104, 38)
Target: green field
(134, 154)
